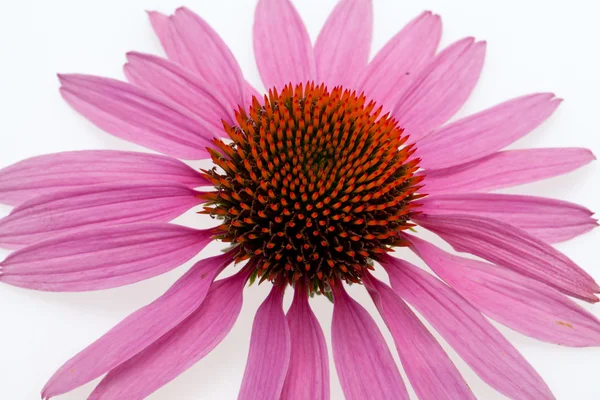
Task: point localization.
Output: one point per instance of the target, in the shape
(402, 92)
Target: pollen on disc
(314, 184)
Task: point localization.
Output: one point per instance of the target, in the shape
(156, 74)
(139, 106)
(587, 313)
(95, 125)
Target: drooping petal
(343, 46)
(506, 169)
(269, 355)
(513, 248)
(486, 132)
(100, 258)
(181, 347)
(430, 370)
(44, 174)
(393, 68)
(137, 115)
(67, 211)
(189, 41)
(472, 336)
(181, 86)
(282, 46)
(363, 361)
(440, 89)
(154, 320)
(521, 303)
(548, 219)
(308, 373)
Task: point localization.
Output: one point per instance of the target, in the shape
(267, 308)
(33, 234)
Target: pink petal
(44, 174)
(67, 211)
(430, 370)
(343, 46)
(269, 355)
(138, 115)
(391, 71)
(100, 258)
(440, 89)
(251, 92)
(513, 248)
(308, 373)
(548, 219)
(521, 303)
(189, 41)
(486, 132)
(180, 86)
(282, 47)
(472, 336)
(506, 169)
(125, 341)
(180, 348)
(363, 361)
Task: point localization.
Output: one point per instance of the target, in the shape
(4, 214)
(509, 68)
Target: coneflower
(314, 185)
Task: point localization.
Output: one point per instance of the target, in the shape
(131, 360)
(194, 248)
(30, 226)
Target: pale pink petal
(513, 248)
(429, 369)
(140, 329)
(67, 211)
(189, 41)
(343, 46)
(393, 68)
(44, 174)
(548, 219)
(138, 116)
(181, 86)
(282, 47)
(308, 373)
(472, 336)
(100, 258)
(180, 348)
(506, 169)
(269, 354)
(251, 92)
(486, 132)
(521, 303)
(363, 361)
(440, 89)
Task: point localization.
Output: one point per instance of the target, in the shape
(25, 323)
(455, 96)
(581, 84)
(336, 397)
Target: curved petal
(486, 132)
(430, 370)
(440, 89)
(189, 41)
(282, 46)
(343, 46)
(308, 373)
(506, 169)
(548, 219)
(521, 303)
(393, 68)
(363, 361)
(182, 87)
(67, 211)
(269, 355)
(513, 248)
(472, 336)
(44, 174)
(181, 347)
(137, 115)
(101, 258)
(124, 340)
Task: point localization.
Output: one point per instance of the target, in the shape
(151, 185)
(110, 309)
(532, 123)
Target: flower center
(314, 184)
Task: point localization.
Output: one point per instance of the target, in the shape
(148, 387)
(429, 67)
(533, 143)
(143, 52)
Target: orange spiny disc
(314, 184)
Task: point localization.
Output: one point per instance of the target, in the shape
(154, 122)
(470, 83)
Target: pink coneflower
(314, 185)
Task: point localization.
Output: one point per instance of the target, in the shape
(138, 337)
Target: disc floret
(314, 184)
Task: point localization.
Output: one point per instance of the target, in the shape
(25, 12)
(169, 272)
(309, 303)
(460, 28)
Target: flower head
(313, 186)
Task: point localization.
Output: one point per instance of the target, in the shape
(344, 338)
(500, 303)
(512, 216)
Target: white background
(533, 46)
